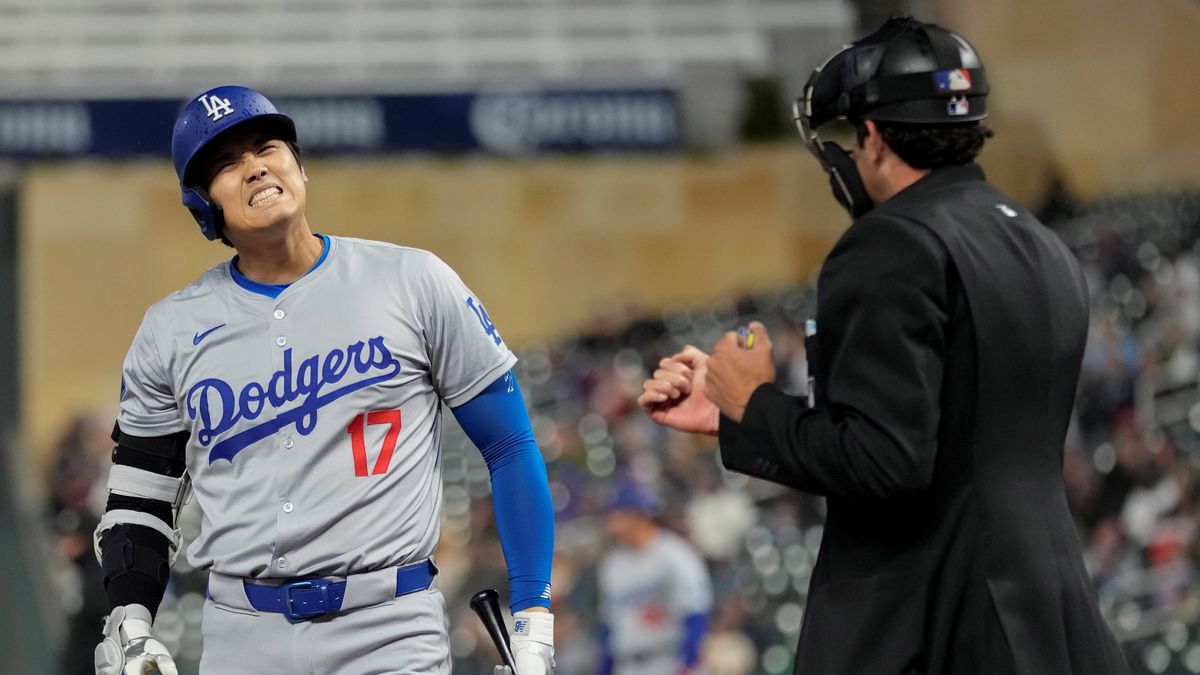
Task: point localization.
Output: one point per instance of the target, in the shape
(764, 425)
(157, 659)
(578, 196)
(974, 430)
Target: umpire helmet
(202, 120)
(908, 72)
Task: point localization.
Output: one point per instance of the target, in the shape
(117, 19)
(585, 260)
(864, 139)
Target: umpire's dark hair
(296, 152)
(931, 146)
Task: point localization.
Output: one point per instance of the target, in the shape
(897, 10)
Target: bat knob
(486, 604)
(488, 597)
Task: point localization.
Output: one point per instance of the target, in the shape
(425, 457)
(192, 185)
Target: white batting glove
(129, 648)
(533, 643)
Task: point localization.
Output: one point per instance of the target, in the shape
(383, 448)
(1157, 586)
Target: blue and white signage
(515, 121)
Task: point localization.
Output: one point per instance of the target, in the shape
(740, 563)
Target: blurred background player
(655, 592)
(76, 504)
(299, 386)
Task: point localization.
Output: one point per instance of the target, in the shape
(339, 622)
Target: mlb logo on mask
(955, 79)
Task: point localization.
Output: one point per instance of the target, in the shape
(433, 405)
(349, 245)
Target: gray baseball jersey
(315, 417)
(645, 596)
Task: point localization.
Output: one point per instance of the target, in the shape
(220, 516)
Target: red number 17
(357, 431)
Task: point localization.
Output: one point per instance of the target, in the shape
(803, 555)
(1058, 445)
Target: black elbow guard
(135, 562)
(136, 540)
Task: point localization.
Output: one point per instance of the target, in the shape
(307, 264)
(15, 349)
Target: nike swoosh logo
(200, 336)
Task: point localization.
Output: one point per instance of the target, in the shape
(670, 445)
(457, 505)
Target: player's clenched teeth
(265, 195)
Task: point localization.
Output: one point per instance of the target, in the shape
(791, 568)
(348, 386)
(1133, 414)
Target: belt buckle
(314, 601)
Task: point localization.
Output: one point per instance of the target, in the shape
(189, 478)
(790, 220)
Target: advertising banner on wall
(507, 121)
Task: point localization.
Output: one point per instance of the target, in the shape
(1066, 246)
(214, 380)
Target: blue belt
(307, 599)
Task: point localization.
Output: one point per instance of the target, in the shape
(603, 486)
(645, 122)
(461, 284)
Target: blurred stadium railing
(80, 46)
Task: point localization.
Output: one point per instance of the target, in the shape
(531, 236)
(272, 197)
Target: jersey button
(281, 341)
(279, 314)
(281, 563)
(288, 443)
(287, 507)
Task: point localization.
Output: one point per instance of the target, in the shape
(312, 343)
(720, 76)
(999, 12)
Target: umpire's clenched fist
(737, 367)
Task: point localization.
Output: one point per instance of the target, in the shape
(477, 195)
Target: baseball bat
(486, 604)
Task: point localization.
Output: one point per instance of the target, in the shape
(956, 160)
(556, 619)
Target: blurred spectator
(655, 592)
(77, 493)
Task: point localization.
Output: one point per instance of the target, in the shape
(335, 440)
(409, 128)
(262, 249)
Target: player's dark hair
(931, 146)
(295, 148)
(296, 152)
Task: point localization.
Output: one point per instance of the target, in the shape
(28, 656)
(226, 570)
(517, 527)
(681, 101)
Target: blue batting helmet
(203, 119)
(630, 496)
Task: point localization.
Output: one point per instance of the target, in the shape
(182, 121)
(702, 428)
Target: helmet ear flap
(844, 179)
(209, 215)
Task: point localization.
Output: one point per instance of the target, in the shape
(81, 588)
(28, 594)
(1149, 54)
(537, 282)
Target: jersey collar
(273, 290)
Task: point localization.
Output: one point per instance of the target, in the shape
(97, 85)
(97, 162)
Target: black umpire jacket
(950, 329)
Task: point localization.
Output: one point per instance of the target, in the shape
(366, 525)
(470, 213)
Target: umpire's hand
(675, 396)
(737, 367)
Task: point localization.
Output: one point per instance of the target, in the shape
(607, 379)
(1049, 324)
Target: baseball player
(298, 389)
(655, 592)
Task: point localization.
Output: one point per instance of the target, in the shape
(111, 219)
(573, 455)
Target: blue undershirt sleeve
(607, 662)
(694, 626)
(497, 423)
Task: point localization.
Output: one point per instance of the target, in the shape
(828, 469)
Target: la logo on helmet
(216, 107)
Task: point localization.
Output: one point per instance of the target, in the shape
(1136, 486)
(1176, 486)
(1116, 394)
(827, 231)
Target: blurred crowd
(1132, 462)
(1131, 467)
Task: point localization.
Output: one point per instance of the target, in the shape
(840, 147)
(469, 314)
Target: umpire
(950, 330)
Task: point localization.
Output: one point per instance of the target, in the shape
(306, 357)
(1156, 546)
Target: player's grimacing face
(256, 179)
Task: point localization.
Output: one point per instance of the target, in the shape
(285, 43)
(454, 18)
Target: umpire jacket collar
(945, 175)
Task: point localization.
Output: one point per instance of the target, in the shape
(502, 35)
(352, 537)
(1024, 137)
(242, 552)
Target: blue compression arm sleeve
(694, 626)
(497, 423)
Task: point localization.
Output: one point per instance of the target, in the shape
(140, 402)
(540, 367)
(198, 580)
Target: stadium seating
(50, 47)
